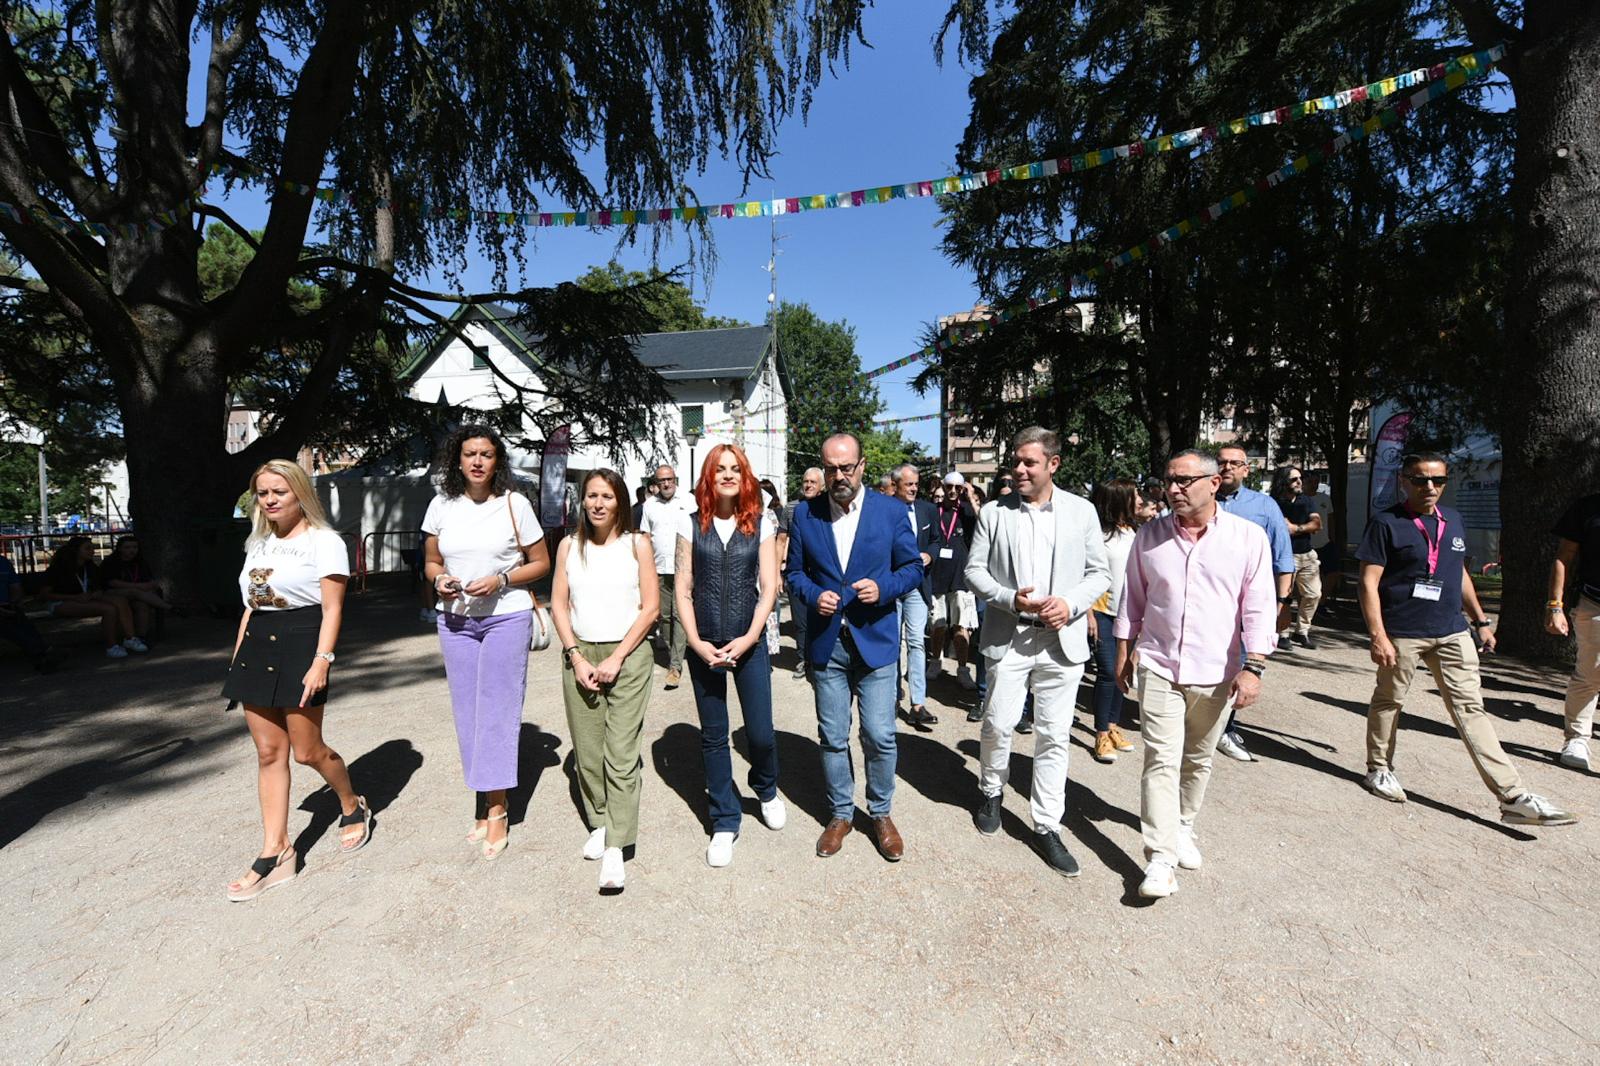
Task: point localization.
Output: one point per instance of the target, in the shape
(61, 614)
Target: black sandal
(271, 871)
(361, 816)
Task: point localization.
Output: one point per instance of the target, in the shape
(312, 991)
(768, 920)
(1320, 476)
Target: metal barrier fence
(375, 555)
(30, 552)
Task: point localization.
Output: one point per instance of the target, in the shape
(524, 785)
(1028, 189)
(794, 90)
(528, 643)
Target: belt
(1035, 623)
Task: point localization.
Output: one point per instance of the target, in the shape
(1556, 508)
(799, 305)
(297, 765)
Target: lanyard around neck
(1433, 544)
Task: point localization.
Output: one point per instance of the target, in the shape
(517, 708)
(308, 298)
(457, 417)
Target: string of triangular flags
(1382, 120)
(1467, 64)
(726, 428)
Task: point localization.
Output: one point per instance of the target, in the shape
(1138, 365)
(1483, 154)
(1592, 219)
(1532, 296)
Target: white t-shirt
(476, 540)
(660, 520)
(688, 523)
(281, 575)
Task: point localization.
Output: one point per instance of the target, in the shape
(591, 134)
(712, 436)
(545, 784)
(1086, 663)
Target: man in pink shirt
(1197, 579)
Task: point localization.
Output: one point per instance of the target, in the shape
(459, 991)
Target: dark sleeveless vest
(725, 578)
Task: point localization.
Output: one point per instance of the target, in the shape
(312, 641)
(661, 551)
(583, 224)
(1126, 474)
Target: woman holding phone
(603, 600)
(484, 545)
(727, 566)
(295, 569)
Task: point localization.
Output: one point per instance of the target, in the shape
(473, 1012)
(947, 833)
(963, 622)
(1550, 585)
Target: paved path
(1328, 926)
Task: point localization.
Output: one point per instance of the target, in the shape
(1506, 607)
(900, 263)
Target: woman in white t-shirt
(484, 544)
(604, 599)
(727, 566)
(295, 569)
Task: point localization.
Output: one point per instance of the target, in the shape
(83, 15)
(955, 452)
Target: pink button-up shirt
(1186, 601)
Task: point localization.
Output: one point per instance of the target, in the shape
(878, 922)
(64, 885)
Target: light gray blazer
(1081, 570)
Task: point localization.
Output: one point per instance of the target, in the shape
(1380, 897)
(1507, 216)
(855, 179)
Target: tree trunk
(182, 484)
(1551, 445)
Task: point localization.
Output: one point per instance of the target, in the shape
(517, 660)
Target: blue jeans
(1107, 696)
(753, 678)
(845, 676)
(913, 631)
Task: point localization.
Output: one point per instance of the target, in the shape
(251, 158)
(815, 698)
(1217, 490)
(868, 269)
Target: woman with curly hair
(484, 546)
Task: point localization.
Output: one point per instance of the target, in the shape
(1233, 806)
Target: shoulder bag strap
(516, 538)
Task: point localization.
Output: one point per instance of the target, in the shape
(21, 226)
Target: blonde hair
(299, 484)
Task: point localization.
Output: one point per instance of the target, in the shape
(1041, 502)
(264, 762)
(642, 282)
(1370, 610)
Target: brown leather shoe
(890, 846)
(832, 838)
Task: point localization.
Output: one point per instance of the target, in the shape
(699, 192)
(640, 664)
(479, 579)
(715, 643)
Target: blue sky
(894, 116)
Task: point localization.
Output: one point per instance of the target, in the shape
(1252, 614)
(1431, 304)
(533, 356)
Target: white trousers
(1034, 660)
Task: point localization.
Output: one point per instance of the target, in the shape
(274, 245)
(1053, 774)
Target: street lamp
(693, 437)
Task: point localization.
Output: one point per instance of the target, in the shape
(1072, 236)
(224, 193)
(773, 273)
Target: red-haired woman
(727, 583)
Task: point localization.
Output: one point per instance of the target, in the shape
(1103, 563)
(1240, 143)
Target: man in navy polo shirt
(1414, 590)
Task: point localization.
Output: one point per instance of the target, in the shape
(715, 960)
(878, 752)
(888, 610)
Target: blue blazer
(884, 550)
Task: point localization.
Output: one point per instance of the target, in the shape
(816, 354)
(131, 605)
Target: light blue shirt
(1261, 509)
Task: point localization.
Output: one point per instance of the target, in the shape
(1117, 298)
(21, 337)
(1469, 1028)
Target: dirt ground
(1327, 925)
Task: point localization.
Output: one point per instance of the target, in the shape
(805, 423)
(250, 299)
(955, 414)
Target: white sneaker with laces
(720, 851)
(1232, 745)
(774, 815)
(1160, 880)
(1383, 783)
(1533, 809)
(1189, 857)
(116, 651)
(964, 678)
(134, 644)
(595, 846)
(1575, 753)
(612, 873)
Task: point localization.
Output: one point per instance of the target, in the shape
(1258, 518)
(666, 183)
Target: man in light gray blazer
(1039, 562)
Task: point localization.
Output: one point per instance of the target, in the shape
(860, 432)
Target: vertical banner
(553, 479)
(1386, 454)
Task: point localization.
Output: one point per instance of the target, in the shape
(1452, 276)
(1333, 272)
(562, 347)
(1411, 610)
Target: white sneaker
(1232, 745)
(595, 846)
(134, 644)
(116, 651)
(1384, 783)
(774, 815)
(1189, 857)
(720, 851)
(612, 874)
(1575, 753)
(1532, 809)
(965, 680)
(1160, 880)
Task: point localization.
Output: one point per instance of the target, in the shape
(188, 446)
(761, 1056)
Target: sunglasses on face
(1423, 481)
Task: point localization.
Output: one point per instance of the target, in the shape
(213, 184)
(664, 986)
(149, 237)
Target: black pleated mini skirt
(273, 658)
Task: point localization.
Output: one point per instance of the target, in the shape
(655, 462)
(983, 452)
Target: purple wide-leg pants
(486, 664)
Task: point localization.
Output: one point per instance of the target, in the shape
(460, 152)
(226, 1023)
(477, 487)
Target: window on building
(480, 359)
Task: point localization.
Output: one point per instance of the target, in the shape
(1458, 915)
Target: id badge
(947, 553)
(1427, 590)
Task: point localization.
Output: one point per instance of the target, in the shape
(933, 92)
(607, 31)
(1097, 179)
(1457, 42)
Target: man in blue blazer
(851, 556)
(923, 517)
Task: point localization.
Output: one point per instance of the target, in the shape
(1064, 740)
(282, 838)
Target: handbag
(539, 632)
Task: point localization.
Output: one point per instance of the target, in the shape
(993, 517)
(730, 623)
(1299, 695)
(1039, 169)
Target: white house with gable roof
(726, 385)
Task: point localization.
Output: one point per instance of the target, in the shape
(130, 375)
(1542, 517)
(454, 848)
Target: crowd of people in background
(1174, 591)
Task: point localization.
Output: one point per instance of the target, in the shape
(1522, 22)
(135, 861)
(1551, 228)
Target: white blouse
(603, 590)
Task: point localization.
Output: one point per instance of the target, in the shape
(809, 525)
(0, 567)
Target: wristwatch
(1255, 666)
(1485, 624)
(1286, 599)
(327, 655)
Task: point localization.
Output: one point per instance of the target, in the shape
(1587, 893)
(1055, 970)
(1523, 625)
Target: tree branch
(321, 100)
(224, 50)
(46, 147)
(1484, 25)
(226, 219)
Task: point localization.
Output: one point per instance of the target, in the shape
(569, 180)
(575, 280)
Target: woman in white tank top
(603, 601)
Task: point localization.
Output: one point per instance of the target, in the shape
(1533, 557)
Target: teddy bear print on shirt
(261, 593)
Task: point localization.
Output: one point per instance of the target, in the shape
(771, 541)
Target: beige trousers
(1308, 590)
(1179, 725)
(1454, 662)
(1583, 687)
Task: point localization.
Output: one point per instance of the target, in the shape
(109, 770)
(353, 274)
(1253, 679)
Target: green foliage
(670, 304)
(74, 488)
(829, 395)
(887, 450)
